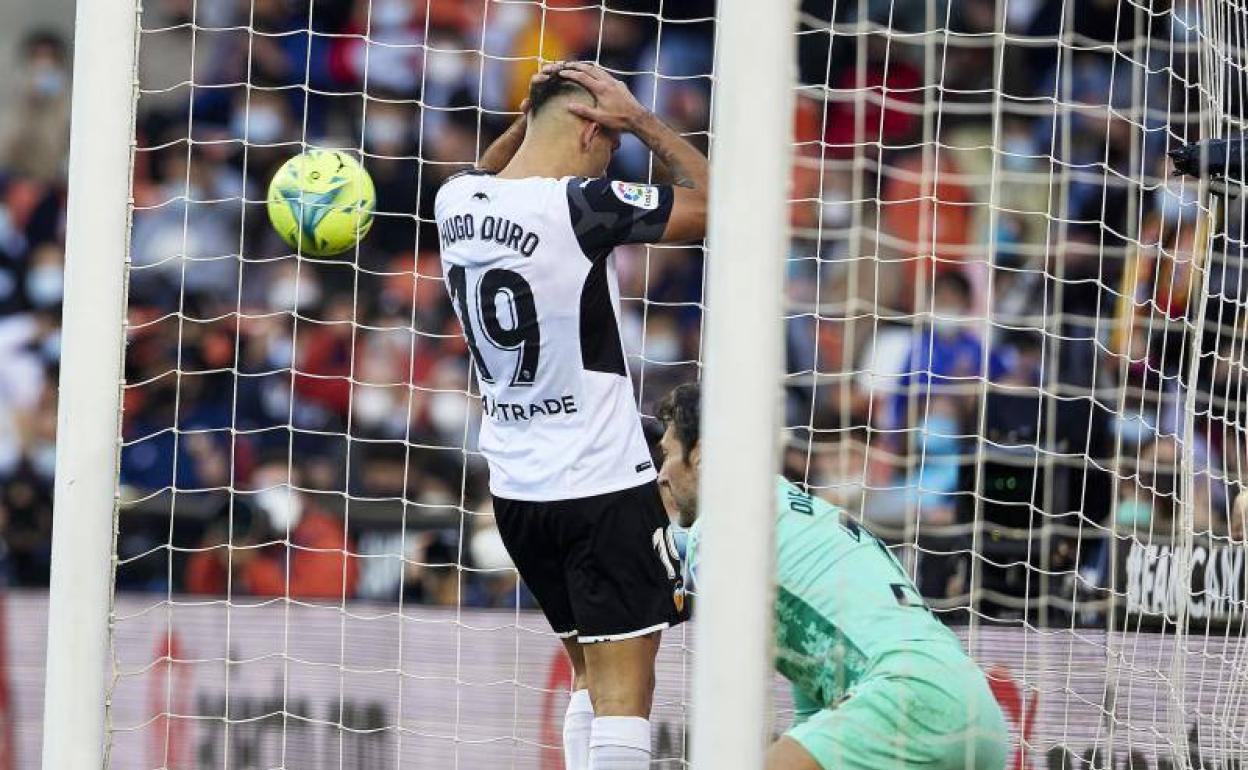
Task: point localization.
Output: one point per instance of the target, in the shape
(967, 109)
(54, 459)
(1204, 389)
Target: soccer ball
(321, 202)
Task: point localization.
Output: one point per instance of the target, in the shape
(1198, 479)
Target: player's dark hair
(542, 92)
(682, 411)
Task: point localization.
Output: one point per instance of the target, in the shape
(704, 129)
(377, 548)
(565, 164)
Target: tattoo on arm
(686, 163)
(680, 175)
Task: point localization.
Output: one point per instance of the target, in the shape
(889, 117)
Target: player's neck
(547, 159)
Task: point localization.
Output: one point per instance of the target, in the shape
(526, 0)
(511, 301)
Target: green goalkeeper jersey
(845, 608)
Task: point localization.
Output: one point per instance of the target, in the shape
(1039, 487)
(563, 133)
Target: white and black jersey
(529, 267)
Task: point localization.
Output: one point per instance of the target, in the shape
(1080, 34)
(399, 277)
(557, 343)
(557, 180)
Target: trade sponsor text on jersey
(502, 411)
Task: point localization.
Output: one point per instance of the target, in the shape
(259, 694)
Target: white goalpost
(748, 231)
(88, 422)
(953, 283)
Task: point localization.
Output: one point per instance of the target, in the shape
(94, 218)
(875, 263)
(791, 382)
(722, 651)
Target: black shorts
(602, 568)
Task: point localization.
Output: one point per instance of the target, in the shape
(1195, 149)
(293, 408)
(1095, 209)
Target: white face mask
(437, 498)
(444, 67)
(848, 491)
(261, 125)
(48, 82)
(192, 191)
(391, 13)
(488, 551)
(1133, 429)
(45, 285)
(373, 406)
(282, 505)
(51, 347)
(663, 348)
(42, 458)
(395, 67)
(280, 351)
(289, 293)
(1016, 153)
(447, 412)
(384, 131)
(836, 211)
(1177, 202)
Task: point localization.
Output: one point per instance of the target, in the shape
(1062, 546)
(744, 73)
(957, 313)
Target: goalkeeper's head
(560, 133)
(682, 456)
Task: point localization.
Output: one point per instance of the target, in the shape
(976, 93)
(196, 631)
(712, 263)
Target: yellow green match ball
(321, 202)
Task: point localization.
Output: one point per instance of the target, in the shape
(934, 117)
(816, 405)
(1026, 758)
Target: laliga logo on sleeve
(642, 196)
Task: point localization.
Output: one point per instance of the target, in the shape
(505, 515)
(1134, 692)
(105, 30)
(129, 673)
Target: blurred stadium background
(1085, 277)
(986, 346)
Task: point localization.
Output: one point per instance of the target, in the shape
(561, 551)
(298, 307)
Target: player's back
(844, 605)
(842, 597)
(877, 680)
(540, 316)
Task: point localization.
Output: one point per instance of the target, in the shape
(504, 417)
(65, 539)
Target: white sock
(576, 723)
(619, 743)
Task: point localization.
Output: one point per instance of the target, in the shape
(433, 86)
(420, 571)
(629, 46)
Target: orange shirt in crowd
(316, 564)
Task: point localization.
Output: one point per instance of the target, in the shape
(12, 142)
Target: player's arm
(498, 154)
(606, 213)
(690, 177)
(618, 110)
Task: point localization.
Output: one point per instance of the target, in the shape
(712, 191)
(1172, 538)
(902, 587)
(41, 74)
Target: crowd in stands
(974, 335)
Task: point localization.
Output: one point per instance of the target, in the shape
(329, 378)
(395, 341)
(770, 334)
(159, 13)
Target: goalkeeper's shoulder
(792, 498)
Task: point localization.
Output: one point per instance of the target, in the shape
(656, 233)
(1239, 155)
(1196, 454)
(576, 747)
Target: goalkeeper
(878, 682)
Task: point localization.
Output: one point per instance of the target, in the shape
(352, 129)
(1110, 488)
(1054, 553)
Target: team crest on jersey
(643, 196)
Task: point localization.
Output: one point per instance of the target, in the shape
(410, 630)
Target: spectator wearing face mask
(263, 123)
(381, 48)
(22, 385)
(946, 354)
(209, 568)
(177, 51)
(496, 582)
(388, 130)
(34, 139)
(188, 236)
(43, 289)
(283, 543)
(44, 283)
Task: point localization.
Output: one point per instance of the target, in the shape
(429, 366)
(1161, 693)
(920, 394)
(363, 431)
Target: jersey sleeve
(607, 213)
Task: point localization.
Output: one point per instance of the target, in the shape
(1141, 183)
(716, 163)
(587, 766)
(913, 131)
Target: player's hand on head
(616, 109)
(550, 68)
(546, 72)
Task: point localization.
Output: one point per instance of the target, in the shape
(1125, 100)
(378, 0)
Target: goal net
(1014, 342)
(1016, 348)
